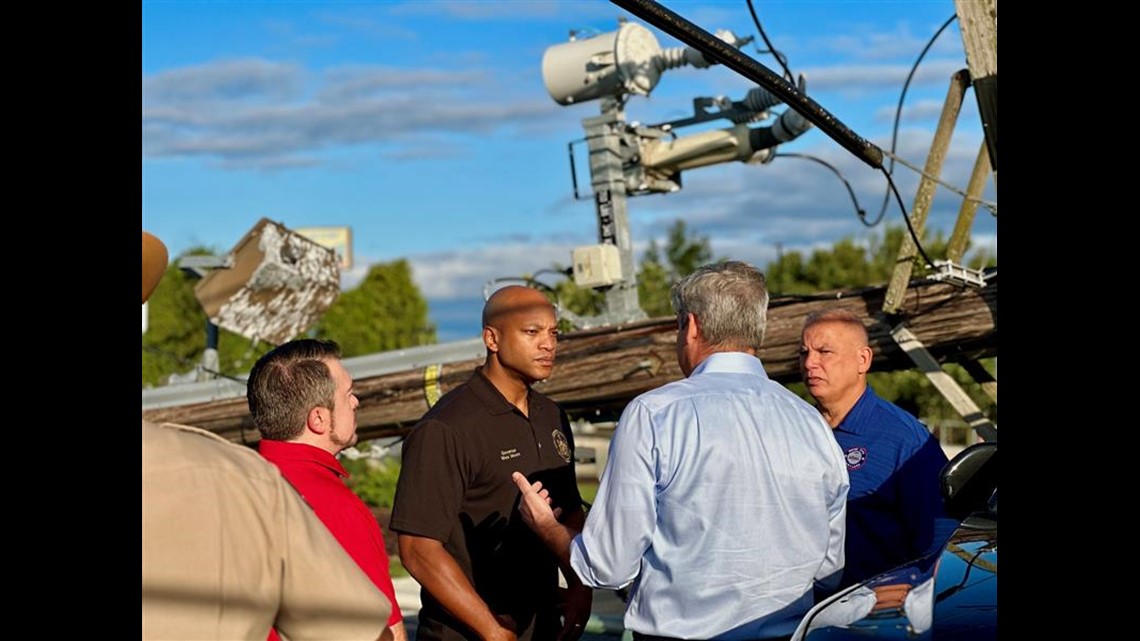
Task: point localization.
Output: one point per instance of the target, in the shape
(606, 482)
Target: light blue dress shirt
(723, 500)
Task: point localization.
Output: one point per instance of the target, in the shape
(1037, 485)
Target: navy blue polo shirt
(894, 507)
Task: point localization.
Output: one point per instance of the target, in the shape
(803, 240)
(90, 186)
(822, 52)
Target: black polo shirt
(455, 486)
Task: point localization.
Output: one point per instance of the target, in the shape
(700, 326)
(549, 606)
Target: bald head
(512, 301)
(520, 330)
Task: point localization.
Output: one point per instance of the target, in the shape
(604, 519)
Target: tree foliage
(384, 312)
(847, 264)
(374, 481)
(176, 332)
(176, 327)
(684, 253)
(582, 301)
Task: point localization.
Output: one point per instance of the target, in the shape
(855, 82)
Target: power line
(182, 361)
(906, 218)
(781, 58)
(858, 210)
(984, 203)
(898, 110)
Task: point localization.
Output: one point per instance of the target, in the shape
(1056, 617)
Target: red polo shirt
(319, 478)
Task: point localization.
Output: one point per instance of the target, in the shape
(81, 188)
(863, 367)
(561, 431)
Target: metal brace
(948, 271)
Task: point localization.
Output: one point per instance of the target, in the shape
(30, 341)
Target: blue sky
(426, 127)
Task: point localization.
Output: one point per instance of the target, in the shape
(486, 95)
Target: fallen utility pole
(599, 371)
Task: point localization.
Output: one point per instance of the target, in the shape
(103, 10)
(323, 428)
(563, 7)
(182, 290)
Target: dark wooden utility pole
(977, 20)
(599, 371)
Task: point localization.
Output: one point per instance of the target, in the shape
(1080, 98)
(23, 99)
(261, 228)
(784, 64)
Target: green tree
(653, 282)
(374, 481)
(684, 253)
(176, 331)
(847, 264)
(385, 311)
(176, 328)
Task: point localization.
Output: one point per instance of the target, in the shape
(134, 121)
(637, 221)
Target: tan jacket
(229, 550)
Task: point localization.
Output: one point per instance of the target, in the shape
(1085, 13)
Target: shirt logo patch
(506, 455)
(561, 445)
(856, 457)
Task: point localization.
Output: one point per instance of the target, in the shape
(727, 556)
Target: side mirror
(969, 480)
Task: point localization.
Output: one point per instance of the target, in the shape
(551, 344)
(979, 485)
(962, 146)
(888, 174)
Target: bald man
(894, 506)
(484, 574)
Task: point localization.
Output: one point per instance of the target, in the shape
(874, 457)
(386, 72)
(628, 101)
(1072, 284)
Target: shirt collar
(854, 422)
(288, 451)
(490, 395)
(494, 400)
(731, 362)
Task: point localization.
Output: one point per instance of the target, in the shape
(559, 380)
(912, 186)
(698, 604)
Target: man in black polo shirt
(484, 574)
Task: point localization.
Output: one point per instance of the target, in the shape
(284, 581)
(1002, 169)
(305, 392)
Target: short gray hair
(840, 315)
(730, 299)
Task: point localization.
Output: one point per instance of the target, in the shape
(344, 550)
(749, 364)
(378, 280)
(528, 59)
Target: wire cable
(906, 218)
(183, 361)
(780, 58)
(855, 201)
(565, 273)
(898, 110)
(984, 203)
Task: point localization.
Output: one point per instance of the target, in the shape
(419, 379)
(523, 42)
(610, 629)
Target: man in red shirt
(302, 402)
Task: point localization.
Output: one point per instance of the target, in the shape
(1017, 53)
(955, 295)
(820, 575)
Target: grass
(588, 489)
(395, 568)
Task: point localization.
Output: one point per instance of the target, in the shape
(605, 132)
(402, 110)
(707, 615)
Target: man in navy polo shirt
(894, 507)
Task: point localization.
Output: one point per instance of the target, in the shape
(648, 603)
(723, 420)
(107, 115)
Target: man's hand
(534, 508)
(535, 504)
(577, 601)
(398, 632)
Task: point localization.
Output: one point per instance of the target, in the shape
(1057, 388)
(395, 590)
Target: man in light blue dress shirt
(723, 501)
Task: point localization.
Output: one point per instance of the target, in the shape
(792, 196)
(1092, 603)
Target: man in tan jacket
(230, 550)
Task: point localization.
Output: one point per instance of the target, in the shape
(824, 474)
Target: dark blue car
(950, 595)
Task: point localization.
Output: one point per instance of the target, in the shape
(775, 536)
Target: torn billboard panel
(279, 286)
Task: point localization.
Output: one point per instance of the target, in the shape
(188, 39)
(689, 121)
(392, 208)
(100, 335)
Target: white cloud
(465, 273)
(870, 77)
(228, 80)
(350, 83)
(905, 41)
(923, 110)
(214, 111)
(519, 10)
